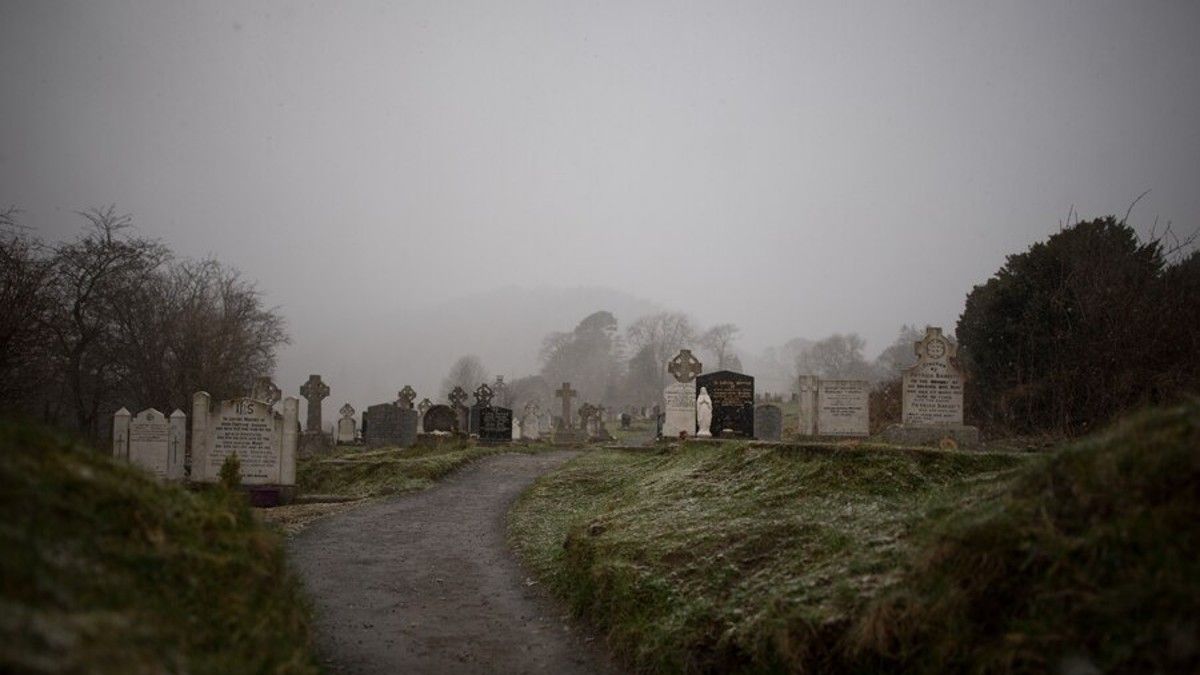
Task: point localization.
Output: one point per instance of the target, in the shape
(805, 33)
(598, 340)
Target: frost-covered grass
(866, 559)
(103, 570)
(385, 471)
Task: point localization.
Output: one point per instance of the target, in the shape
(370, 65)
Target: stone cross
(314, 391)
(457, 396)
(685, 367)
(566, 394)
(483, 396)
(501, 390)
(265, 390)
(407, 394)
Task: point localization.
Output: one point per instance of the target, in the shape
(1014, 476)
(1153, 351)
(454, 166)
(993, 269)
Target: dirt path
(425, 583)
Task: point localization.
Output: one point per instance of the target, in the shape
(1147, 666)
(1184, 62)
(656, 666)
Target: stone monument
(152, 441)
(346, 429)
(679, 397)
(733, 402)
(768, 422)
(703, 414)
(843, 408)
(263, 440)
(566, 433)
(932, 396)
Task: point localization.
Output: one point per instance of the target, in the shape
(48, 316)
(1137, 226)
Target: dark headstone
(440, 418)
(626, 420)
(768, 423)
(732, 396)
(385, 425)
(473, 423)
(495, 424)
(408, 427)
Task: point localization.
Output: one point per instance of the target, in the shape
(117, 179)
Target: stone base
(314, 443)
(962, 436)
(569, 437)
(270, 495)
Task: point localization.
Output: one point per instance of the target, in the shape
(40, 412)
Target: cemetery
(597, 338)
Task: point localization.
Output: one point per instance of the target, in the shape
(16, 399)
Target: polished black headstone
(495, 424)
(732, 395)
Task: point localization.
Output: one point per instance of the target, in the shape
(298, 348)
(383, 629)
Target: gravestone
(463, 414)
(679, 397)
(404, 397)
(807, 397)
(314, 391)
(932, 396)
(626, 420)
(565, 432)
(440, 419)
(768, 422)
(531, 423)
(501, 391)
(483, 399)
(346, 432)
(733, 402)
(422, 408)
(843, 408)
(384, 429)
(264, 441)
(407, 421)
(495, 425)
(679, 404)
(152, 441)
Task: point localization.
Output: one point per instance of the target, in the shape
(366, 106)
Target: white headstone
(933, 387)
(150, 442)
(679, 400)
(121, 434)
(264, 440)
(346, 428)
(843, 408)
(807, 421)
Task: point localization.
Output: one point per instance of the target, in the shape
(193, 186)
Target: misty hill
(367, 359)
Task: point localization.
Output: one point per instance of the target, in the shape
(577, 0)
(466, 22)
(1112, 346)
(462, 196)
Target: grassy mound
(724, 558)
(387, 471)
(828, 559)
(102, 570)
(1091, 558)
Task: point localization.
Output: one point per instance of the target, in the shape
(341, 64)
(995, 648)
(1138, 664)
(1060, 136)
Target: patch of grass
(387, 471)
(732, 557)
(103, 570)
(1091, 556)
(818, 558)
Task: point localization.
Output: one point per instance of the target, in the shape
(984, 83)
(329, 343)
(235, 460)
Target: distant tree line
(114, 319)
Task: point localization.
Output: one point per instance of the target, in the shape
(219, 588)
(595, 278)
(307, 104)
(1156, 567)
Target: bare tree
(24, 301)
(467, 372)
(719, 340)
(660, 336)
(90, 276)
(837, 356)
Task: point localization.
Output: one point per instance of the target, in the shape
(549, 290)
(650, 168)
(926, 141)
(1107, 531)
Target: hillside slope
(837, 559)
(102, 570)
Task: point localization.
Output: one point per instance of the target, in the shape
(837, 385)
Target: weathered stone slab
(679, 400)
(440, 419)
(807, 399)
(264, 441)
(768, 423)
(932, 393)
(843, 408)
(384, 427)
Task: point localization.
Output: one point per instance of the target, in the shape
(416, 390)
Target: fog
(409, 182)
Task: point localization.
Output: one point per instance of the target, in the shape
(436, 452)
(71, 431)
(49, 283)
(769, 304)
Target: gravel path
(425, 583)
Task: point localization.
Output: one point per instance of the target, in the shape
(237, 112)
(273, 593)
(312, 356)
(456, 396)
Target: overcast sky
(795, 168)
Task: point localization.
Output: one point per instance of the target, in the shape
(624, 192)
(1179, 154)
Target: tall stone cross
(457, 396)
(685, 367)
(501, 390)
(314, 391)
(566, 394)
(407, 394)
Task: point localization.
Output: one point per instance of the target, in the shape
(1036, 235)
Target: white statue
(704, 414)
